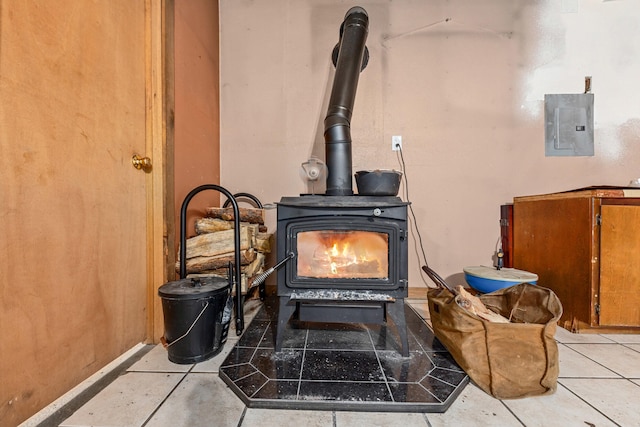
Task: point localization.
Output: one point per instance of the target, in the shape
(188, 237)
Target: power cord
(414, 223)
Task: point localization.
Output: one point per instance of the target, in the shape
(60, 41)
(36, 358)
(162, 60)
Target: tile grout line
(628, 345)
(184, 377)
(384, 375)
(511, 412)
(255, 351)
(426, 418)
(244, 413)
(304, 355)
(595, 361)
(589, 404)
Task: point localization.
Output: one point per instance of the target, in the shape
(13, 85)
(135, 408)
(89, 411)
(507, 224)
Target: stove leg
(396, 312)
(286, 309)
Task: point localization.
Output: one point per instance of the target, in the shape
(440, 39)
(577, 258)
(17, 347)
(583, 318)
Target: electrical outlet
(396, 142)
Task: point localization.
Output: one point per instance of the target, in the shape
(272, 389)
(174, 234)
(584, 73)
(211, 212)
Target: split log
(209, 263)
(254, 232)
(254, 216)
(473, 304)
(212, 244)
(212, 225)
(263, 242)
(256, 266)
(251, 265)
(248, 270)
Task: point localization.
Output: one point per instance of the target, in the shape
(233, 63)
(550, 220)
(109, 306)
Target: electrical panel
(568, 124)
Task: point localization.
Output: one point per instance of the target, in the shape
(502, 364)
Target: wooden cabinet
(585, 246)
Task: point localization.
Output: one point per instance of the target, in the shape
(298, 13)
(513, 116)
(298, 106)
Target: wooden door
(79, 98)
(619, 267)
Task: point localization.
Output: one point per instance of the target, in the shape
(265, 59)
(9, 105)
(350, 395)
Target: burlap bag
(506, 360)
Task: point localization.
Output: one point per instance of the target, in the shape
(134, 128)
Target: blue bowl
(489, 279)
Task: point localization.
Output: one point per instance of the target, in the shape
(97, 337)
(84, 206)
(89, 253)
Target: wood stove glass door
(343, 254)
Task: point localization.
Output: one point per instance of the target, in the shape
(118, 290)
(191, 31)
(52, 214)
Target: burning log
(362, 268)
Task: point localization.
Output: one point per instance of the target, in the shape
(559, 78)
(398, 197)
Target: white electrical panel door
(569, 124)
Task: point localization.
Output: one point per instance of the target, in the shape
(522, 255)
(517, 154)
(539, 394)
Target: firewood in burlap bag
(507, 359)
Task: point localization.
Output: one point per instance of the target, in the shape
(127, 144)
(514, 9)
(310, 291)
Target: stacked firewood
(212, 248)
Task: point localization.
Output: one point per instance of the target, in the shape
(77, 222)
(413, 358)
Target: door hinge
(598, 219)
(597, 307)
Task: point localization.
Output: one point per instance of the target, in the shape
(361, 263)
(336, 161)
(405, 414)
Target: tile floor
(599, 385)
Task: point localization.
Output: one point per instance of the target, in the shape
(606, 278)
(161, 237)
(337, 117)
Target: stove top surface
(353, 367)
(342, 201)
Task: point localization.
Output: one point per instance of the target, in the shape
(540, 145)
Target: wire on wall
(414, 229)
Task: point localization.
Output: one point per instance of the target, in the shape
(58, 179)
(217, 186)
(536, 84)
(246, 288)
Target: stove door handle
(262, 277)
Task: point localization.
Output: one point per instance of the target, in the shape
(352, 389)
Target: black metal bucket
(197, 313)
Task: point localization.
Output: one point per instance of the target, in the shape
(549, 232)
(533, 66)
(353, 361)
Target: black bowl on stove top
(379, 182)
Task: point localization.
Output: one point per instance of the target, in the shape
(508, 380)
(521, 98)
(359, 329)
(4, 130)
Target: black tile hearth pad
(351, 367)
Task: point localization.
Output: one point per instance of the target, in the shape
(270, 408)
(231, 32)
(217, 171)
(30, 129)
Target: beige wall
(463, 82)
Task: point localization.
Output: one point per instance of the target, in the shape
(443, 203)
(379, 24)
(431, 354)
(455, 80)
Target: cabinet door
(554, 238)
(620, 265)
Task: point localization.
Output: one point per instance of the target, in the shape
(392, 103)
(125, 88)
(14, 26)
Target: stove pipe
(351, 58)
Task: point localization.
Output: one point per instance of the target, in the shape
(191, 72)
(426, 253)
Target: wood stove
(346, 255)
(349, 260)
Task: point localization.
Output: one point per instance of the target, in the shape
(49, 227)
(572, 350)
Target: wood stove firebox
(348, 261)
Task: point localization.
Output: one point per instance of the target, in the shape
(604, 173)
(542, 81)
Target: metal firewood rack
(236, 276)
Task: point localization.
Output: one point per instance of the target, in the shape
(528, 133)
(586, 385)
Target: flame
(343, 253)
